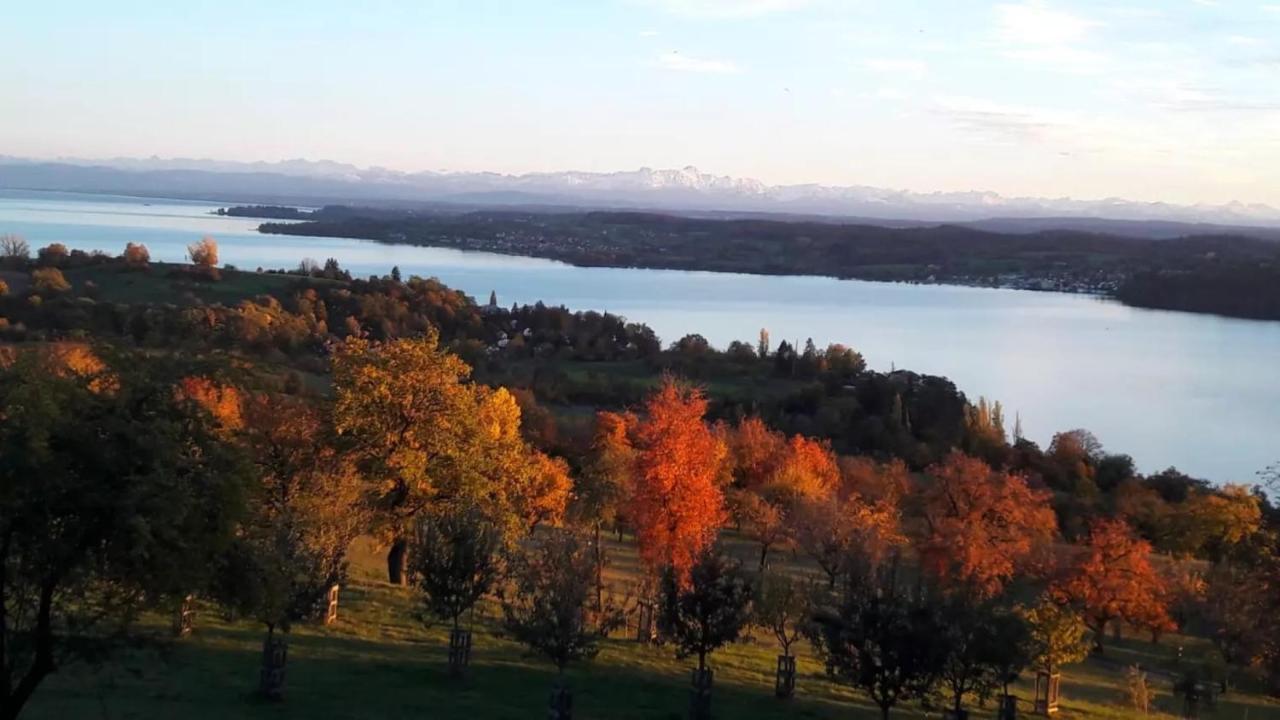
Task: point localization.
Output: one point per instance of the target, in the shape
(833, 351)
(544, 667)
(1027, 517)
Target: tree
(14, 248)
(782, 606)
(306, 507)
(986, 647)
(426, 438)
(764, 522)
(1113, 579)
(807, 469)
(136, 256)
(1057, 635)
(52, 255)
(982, 525)
(455, 561)
(676, 503)
(884, 640)
(604, 485)
(708, 608)
(49, 280)
(755, 452)
(830, 529)
(395, 273)
(114, 494)
(549, 609)
(204, 253)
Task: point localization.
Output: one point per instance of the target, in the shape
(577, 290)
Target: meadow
(379, 660)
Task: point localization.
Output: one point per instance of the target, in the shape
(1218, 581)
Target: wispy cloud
(725, 9)
(678, 62)
(997, 121)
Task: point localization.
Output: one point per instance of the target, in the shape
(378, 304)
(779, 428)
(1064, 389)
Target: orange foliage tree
(755, 451)
(830, 529)
(981, 524)
(676, 503)
(808, 470)
(1113, 579)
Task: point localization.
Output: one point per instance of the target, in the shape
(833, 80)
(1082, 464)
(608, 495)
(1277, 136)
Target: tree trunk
(398, 562)
(1100, 638)
(599, 572)
(764, 555)
(41, 667)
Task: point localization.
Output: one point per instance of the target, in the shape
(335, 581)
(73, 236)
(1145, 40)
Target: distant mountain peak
(679, 189)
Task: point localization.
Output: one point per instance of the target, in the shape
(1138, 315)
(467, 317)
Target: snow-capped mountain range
(685, 189)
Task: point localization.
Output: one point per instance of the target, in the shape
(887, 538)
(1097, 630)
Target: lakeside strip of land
(1228, 275)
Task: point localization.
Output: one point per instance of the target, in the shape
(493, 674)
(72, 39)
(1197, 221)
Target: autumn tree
(204, 253)
(807, 469)
(836, 531)
(764, 521)
(981, 524)
(755, 451)
(52, 255)
(114, 493)
(604, 484)
(1112, 579)
(136, 256)
(428, 439)
(308, 504)
(676, 504)
(49, 280)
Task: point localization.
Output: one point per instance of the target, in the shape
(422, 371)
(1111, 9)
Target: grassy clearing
(165, 283)
(379, 661)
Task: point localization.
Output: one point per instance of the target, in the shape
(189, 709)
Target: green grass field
(379, 661)
(161, 284)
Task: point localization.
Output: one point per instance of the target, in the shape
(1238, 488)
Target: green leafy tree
(887, 641)
(782, 606)
(1058, 635)
(114, 493)
(549, 608)
(455, 561)
(708, 611)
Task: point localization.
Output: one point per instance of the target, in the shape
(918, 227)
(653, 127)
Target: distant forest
(1222, 274)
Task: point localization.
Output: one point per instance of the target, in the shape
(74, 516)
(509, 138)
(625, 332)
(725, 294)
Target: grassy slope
(378, 661)
(161, 284)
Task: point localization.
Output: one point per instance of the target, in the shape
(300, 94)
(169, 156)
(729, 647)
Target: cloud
(1036, 32)
(725, 9)
(897, 66)
(996, 120)
(677, 62)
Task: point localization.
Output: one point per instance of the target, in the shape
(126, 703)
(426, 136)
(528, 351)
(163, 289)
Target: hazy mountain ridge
(686, 189)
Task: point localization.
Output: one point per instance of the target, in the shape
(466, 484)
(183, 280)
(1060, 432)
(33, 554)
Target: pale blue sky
(1173, 100)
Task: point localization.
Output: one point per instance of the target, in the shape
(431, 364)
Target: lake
(1171, 389)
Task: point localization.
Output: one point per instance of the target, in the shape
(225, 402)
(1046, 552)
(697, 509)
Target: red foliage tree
(676, 503)
(981, 524)
(1113, 579)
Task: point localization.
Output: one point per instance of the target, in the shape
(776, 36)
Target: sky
(1175, 100)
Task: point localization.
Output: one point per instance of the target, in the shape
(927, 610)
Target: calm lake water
(1192, 391)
